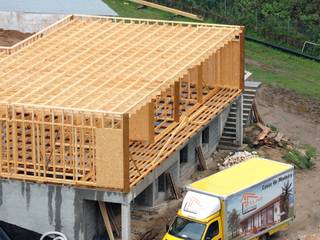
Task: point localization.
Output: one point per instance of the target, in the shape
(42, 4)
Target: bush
(302, 159)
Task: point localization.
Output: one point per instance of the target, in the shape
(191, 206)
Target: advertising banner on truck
(260, 207)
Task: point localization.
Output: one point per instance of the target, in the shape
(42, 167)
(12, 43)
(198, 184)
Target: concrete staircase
(227, 141)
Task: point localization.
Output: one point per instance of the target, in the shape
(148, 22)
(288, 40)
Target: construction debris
(270, 138)
(263, 134)
(235, 158)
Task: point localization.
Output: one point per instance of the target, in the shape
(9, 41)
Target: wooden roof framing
(94, 95)
(102, 64)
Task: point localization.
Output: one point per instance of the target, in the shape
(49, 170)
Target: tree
(284, 200)
(234, 223)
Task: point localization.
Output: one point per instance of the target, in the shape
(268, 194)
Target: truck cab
(198, 219)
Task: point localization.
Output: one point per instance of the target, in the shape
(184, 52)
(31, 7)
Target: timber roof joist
(103, 64)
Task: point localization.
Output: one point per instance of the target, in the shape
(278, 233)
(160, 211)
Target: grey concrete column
(220, 125)
(239, 121)
(125, 221)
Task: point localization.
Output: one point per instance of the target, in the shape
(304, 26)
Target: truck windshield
(186, 229)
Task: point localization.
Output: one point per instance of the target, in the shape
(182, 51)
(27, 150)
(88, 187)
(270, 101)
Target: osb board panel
(141, 124)
(112, 156)
(236, 66)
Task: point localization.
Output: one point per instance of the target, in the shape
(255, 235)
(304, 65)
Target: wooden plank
(173, 187)
(200, 83)
(176, 101)
(226, 66)
(236, 63)
(242, 57)
(200, 157)
(106, 220)
(168, 9)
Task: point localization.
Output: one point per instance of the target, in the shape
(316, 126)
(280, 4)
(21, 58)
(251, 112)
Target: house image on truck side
(272, 213)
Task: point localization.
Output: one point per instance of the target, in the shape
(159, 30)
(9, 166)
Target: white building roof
(88, 7)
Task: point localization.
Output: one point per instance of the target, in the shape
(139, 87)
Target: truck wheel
(264, 237)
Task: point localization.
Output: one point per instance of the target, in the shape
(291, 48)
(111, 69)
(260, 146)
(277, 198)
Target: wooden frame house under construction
(101, 104)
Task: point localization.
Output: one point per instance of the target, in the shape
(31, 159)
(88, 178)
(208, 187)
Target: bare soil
(10, 37)
(299, 120)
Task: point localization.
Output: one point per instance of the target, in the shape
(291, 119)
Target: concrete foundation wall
(27, 22)
(42, 208)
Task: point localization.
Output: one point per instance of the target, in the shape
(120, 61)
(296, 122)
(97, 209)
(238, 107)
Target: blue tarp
(87, 7)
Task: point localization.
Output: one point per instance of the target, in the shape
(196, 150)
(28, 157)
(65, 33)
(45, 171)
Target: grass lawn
(267, 65)
(284, 70)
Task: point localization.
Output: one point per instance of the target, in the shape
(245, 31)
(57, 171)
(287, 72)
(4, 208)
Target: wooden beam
(200, 83)
(106, 220)
(236, 64)
(242, 57)
(168, 9)
(176, 101)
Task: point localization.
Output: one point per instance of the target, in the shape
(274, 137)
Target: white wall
(27, 22)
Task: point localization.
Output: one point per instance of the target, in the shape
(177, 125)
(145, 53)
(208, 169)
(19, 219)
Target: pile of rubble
(235, 158)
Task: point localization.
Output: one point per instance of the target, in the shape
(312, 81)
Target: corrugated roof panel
(89, 7)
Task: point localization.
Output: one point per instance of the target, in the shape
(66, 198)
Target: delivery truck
(250, 200)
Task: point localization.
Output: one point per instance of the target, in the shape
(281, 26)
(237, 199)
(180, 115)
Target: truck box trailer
(251, 200)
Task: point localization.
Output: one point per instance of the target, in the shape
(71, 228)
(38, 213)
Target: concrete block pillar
(125, 221)
(239, 121)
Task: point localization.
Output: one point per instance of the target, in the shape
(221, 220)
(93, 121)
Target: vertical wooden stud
(200, 83)
(176, 101)
(242, 57)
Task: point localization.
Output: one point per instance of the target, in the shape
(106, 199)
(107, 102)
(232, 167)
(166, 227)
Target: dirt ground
(10, 37)
(299, 120)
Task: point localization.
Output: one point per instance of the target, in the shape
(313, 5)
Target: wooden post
(200, 83)
(105, 216)
(242, 57)
(176, 101)
(126, 165)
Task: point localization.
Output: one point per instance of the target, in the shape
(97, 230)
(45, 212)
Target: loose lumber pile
(266, 136)
(167, 9)
(235, 158)
(270, 138)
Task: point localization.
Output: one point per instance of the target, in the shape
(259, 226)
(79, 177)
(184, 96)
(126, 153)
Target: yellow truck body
(250, 200)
